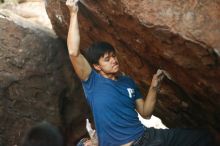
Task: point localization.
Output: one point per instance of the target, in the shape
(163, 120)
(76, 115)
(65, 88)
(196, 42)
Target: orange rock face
(181, 37)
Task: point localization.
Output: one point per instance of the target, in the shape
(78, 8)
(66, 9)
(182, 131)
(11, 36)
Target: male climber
(115, 99)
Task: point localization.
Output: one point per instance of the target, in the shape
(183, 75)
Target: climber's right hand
(72, 5)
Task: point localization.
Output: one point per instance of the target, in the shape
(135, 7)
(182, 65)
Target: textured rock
(181, 37)
(36, 81)
(31, 10)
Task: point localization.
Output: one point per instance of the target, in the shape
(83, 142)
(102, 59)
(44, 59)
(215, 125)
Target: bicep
(81, 66)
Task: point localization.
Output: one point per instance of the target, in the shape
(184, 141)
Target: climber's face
(108, 64)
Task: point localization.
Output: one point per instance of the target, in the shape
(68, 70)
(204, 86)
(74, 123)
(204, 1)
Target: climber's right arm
(80, 64)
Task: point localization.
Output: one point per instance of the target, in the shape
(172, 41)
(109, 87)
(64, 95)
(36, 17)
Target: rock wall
(32, 10)
(36, 82)
(181, 37)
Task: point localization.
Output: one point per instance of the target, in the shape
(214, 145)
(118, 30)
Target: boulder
(32, 10)
(181, 37)
(36, 81)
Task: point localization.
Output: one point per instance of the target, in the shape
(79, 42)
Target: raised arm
(80, 64)
(145, 107)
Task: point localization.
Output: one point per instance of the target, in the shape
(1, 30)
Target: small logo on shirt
(130, 92)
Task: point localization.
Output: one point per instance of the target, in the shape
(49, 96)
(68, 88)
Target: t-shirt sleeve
(89, 83)
(138, 94)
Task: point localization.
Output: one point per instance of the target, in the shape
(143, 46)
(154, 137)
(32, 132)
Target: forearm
(146, 107)
(73, 39)
(150, 102)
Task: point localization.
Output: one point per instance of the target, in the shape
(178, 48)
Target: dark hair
(98, 50)
(43, 134)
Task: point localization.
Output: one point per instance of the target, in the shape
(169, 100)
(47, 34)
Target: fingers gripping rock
(72, 5)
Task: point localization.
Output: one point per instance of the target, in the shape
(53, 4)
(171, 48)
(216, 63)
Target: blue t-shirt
(113, 106)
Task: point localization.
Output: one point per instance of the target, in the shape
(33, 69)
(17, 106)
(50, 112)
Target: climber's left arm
(145, 107)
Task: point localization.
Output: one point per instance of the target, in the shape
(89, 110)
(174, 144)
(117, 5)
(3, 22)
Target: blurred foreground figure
(43, 134)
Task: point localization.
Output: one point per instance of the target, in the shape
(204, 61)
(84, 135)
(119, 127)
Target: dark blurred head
(43, 134)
